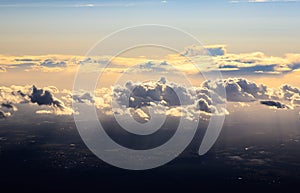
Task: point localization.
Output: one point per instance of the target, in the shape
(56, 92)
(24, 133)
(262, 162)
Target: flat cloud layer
(245, 63)
(257, 63)
(229, 64)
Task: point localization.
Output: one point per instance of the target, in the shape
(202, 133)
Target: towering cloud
(9, 96)
(239, 89)
(168, 94)
(44, 97)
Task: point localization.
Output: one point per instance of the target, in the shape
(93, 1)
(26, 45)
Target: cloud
(101, 98)
(263, 1)
(245, 64)
(84, 98)
(276, 104)
(256, 63)
(26, 60)
(148, 67)
(296, 102)
(243, 90)
(86, 5)
(162, 96)
(193, 50)
(239, 89)
(45, 97)
(289, 92)
(157, 96)
(213, 50)
(167, 94)
(9, 106)
(43, 112)
(271, 1)
(4, 114)
(13, 95)
(140, 114)
(145, 94)
(2, 69)
(203, 105)
(216, 50)
(54, 65)
(51, 63)
(154, 66)
(44, 63)
(64, 5)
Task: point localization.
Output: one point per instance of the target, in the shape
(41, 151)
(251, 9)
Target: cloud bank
(244, 64)
(168, 94)
(243, 90)
(257, 63)
(162, 96)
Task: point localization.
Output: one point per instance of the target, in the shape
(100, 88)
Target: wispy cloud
(263, 1)
(64, 5)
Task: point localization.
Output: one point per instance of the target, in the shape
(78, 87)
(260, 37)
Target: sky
(47, 46)
(191, 61)
(72, 27)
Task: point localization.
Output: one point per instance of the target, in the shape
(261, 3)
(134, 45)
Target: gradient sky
(72, 27)
(247, 72)
(254, 45)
